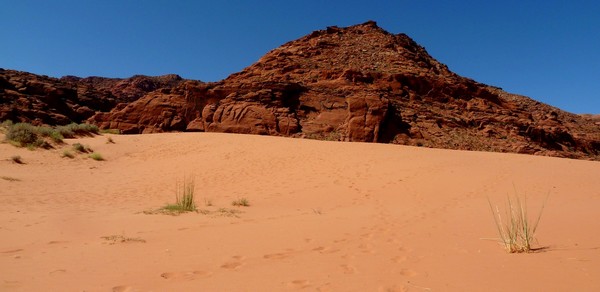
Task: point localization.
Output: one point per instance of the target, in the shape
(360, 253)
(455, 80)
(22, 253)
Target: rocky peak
(364, 49)
(357, 83)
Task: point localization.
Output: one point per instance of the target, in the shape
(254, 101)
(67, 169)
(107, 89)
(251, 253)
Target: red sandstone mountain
(358, 83)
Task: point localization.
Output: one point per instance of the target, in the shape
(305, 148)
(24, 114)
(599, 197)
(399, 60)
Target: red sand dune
(325, 216)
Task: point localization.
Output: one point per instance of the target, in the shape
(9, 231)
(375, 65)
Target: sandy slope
(324, 216)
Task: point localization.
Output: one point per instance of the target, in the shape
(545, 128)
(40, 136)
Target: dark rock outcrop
(27, 97)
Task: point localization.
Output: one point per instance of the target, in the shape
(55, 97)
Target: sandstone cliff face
(358, 83)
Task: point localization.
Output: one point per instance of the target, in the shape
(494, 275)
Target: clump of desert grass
(242, 202)
(225, 212)
(17, 159)
(67, 154)
(96, 156)
(515, 227)
(184, 198)
(111, 131)
(78, 147)
(114, 239)
(77, 130)
(32, 137)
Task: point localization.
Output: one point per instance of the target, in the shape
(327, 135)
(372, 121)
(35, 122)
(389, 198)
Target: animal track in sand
(185, 276)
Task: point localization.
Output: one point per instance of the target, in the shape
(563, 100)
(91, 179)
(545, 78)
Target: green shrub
(22, 134)
(73, 130)
(51, 133)
(30, 136)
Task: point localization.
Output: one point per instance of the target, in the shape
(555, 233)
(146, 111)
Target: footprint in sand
(231, 265)
(366, 248)
(349, 269)
(57, 272)
(11, 284)
(325, 249)
(408, 273)
(122, 288)
(185, 276)
(367, 235)
(393, 289)
(393, 241)
(12, 251)
(234, 264)
(398, 259)
(277, 256)
(299, 284)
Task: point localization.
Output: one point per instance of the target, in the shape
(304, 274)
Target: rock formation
(358, 83)
(39, 99)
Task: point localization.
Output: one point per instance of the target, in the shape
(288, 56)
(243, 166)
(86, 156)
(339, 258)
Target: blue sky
(548, 50)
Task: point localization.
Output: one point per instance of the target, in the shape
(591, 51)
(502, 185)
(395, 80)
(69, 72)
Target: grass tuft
(516, 229)
(243, 202)
(114, 239)
(184, 198)
(67, 154)
(51, 133)
(81, 148)
(224, 212)
(208, 202)
(96, 156)
(17, 159)
(74, 130)
(111, 131)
